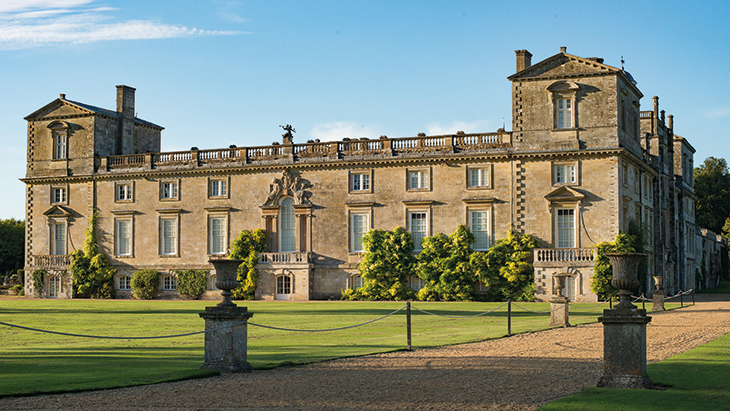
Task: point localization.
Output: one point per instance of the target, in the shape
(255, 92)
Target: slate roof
(93, 109)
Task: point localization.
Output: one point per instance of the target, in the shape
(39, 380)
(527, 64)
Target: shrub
(246, 247)
(388, 260)
(18, 288)
(630, 242)
(145, 284)
(192, 283)
(444, 265)
(21, 275)
(38, 277)
(93, 275)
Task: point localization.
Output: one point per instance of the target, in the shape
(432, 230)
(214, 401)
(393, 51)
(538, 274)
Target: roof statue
(288, 136)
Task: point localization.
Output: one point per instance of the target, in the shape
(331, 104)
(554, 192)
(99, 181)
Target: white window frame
(487, 222)
(169, 282)
(425, 232)
(59, 194)
(483, 176)
(118, 250)
(54, 286)
(124, 192)
(416, 283)
(222, 247)
(560, 229)
(287, 235)
(564, 112)
(60, 144)
(170, 190)
(361, 181)
(125, 282)
(284, 290)
(356, 281)
(59, 237)
(174, 239)
(565, 173)
(418, 179)
(356, 245)
(218, 188)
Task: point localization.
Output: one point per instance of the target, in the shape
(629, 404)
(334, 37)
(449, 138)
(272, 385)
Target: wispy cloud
(35, 23)
(434, 129)
(338, 130)
(718, 113)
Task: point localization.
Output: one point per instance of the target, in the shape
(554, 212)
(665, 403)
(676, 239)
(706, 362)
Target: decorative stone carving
(286, 185)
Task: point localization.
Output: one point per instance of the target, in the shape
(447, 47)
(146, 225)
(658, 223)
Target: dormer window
(59, 137)
(564, 95)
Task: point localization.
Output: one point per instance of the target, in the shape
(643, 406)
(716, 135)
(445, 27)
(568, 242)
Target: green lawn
(722, 288)
(698, 378)
(33, 362)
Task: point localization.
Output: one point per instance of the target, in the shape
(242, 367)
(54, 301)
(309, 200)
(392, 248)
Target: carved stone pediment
(287, 185)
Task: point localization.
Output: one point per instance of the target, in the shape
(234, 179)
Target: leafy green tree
(145, 283)
(387, 262)
(626, 242)
(505, 267)
(12, 235)
(712, 187)
(246, 247)
(444, 265)
(93, 275)
(192, 283)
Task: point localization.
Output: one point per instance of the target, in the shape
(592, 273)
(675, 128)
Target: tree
(387, 262)
(712, 187)
(444, 265)
(246, 247)
(12, 236)
(505, 269)
(93, 275)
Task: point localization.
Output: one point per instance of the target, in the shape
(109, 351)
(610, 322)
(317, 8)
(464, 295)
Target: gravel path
(518, 373)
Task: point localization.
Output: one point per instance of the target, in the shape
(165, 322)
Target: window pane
(566, 228)
(169, 236)
(59, 239)
(366, 181)
(356, 182)
(123, 238)
(217, 235)
(288, 227)
(356, 282)
(419, 228)
(359, 228)
(283, 285)
(559, 174)
(480, 229)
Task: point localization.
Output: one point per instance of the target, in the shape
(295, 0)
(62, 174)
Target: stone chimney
(524, 59)
(125, 108)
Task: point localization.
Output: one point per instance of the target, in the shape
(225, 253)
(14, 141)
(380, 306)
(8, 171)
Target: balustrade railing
(51, 260)
(563, 255)
(329, 150)
(268, 258)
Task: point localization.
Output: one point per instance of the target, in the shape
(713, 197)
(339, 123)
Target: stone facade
(581, 162)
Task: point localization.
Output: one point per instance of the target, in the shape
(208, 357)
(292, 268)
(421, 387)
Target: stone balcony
(51, 261)
(564, 257)
(285, 258)
(347, 149)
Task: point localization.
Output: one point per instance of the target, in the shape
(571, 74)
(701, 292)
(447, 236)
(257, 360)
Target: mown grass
(723, 287)
(33, 362)
(698, 378)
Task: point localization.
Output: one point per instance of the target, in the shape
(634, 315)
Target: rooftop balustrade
(307, 152)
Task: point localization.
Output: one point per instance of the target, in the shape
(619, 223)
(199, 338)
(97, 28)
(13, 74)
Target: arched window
(356, 282)
(125, 282)
(169, 282)
(287, 226)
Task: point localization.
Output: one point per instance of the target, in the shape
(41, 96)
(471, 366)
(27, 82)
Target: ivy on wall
(246, 247)
(93, 275)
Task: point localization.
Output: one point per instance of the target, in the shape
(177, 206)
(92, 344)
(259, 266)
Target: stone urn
(658, 283)
(226, 273)
(625, 276)
(560, 286)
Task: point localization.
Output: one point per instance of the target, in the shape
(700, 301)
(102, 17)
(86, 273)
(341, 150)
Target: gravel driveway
(522, 372)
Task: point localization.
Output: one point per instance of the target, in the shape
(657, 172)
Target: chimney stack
(524, 59)
(125, 108)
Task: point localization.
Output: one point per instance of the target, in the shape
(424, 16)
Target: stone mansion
(581, 161)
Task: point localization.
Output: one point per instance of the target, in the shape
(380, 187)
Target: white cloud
(718, 113)
(435, 129)
(34, 23)
(338, 130)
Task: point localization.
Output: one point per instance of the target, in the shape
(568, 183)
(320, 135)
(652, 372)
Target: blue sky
(215, 73)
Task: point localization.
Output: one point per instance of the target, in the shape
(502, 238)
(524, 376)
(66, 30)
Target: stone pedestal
(226, 348)
(559, 312)
(624, 349)
(658, 301)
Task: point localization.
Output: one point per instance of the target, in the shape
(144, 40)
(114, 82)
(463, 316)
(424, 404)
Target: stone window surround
(168, 282)
(488, 184)
(418, 206)
(350, 176)
(426, 179)
(574, 163)
(292, 286)
(227, 180)
(168, 214)
(123, 215)
(119, 282)
(177, 193)
(52, 223)
(53, 190)
(564, 90)
(360, 207)
(481, 204)
(562, 205)
(351, 281)
(116, 191)
(59, 129)
(218, 212)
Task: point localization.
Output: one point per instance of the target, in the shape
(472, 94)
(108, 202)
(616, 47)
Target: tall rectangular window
(287, 227)
(168, 234)
(566, 227)
(418, 223)
(124, 192)
(478, 177)
(479, 226)
(360, 181)
(358, 226)
(564, 173)
(169, 190)
(417, 179)
(218, 188)
(59, 145)
(218, 235)
(58, 233)
(564, 112)
(124, 237)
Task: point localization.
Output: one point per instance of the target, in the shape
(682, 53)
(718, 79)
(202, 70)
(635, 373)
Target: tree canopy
(712, 187)
(12, 235)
